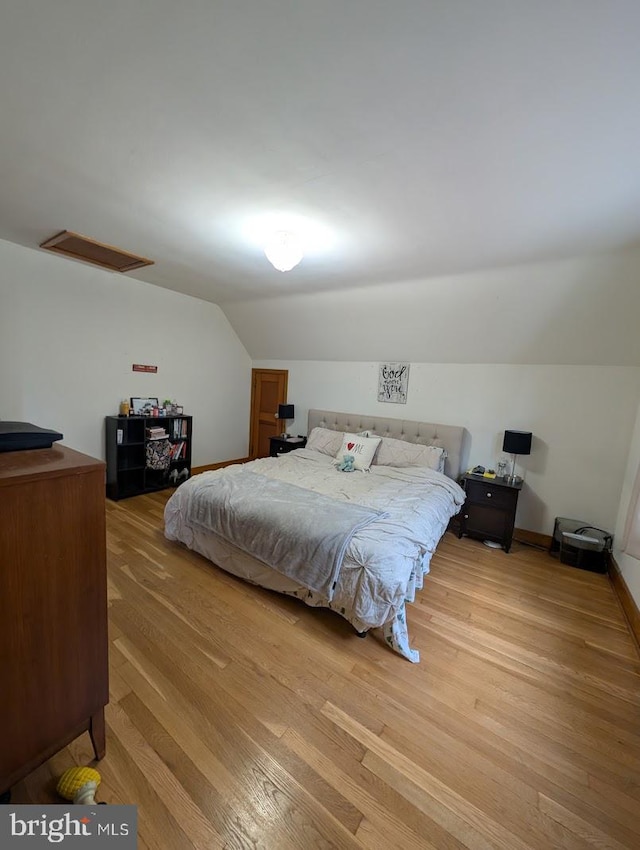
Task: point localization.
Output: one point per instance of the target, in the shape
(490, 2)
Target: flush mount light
(283, 250)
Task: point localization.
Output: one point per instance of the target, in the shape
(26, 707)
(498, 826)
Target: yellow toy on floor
(79, 784)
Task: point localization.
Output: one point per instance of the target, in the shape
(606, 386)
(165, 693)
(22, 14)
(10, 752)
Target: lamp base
(492, 544)
(513, 479)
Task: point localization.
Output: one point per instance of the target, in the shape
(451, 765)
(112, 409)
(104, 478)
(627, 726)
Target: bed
(389, 519)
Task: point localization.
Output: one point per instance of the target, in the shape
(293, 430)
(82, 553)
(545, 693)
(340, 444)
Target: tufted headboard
(449, 437)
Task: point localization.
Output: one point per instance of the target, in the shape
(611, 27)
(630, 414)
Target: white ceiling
(425, 137)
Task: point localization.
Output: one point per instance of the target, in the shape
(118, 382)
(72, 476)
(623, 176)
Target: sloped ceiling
(423, 139)
(579, 312)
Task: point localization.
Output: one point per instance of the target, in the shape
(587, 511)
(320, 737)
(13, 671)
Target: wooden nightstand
(282, 445)
(489, 511)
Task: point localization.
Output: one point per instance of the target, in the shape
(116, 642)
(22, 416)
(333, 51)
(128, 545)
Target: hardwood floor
(243, 719)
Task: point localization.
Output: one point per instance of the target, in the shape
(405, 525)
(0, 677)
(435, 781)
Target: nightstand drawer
(484, 494)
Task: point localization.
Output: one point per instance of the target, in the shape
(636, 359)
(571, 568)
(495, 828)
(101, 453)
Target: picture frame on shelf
(143, 406)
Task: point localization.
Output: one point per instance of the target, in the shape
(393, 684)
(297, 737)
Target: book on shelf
(157, 433)
(179, 451)
(179, 428)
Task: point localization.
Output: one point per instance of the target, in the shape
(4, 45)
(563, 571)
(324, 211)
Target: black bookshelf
(141, 458)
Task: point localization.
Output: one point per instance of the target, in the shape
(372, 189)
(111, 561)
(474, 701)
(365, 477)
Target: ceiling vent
(80, 247)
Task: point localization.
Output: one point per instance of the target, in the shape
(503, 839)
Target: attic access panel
(80, 247)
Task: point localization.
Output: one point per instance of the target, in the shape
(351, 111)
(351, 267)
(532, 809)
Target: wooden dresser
(53, 606)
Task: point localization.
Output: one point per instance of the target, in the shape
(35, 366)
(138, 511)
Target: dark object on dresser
(489, 511)
(53, 606)
(19, 436)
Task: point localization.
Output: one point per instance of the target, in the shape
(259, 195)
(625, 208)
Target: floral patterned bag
(158, 454)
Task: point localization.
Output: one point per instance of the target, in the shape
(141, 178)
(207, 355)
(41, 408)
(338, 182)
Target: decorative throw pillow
(399, 453)
(362, 449)
(324, 440)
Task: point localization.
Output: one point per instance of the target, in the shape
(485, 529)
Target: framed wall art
(393, 382)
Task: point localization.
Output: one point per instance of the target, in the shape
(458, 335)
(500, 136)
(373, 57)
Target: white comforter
(385, 561)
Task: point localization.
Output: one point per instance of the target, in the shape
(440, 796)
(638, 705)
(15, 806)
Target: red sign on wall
(138, 367)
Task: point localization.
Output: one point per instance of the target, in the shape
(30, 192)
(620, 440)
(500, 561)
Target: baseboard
(196, 470)
(627, 602)
(532, 538)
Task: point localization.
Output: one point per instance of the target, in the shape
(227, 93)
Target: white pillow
(438, 445)
(399, 453)
(362, 449)
(324, 440)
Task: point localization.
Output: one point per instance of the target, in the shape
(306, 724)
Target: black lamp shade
(285, 411)
(517, 442)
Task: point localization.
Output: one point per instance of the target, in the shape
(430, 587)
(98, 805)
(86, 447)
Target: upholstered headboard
(450, 437)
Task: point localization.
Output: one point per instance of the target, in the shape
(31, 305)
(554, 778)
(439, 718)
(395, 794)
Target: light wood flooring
(243, 719)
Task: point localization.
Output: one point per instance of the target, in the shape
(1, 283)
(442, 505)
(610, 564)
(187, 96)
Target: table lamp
(285, 411)
(516, 443)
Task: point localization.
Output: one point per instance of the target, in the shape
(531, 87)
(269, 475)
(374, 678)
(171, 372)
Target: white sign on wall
(393, 381)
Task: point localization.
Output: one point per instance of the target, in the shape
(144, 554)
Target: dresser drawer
(485, 494)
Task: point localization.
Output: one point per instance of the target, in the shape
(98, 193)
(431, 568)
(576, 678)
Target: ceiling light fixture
(283, 250)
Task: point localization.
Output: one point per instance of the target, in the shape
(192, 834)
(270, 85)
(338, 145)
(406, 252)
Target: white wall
(629, 567)
(70, 333)
(582, 418)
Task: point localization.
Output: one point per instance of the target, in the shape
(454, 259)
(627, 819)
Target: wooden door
(268, 390)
